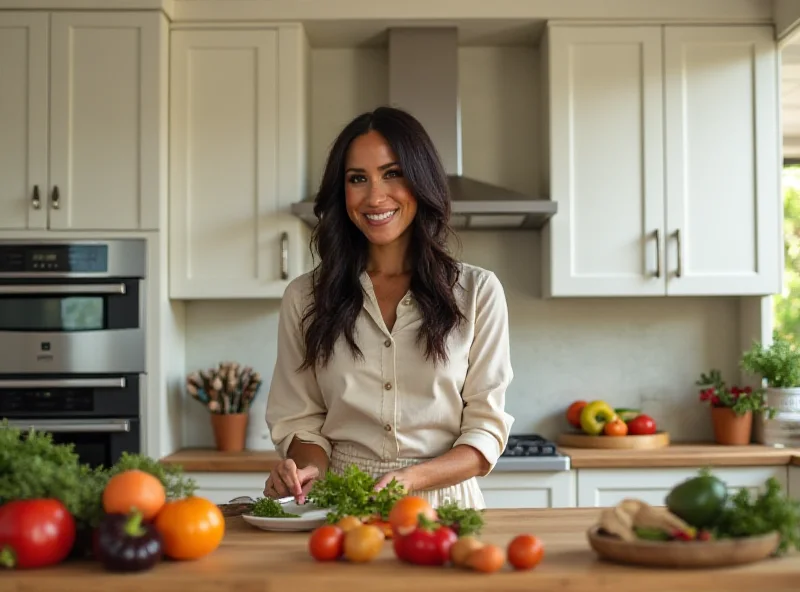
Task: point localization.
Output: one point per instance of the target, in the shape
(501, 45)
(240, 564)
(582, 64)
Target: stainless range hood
(423, 80)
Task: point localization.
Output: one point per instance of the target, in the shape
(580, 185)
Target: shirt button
(387, 427)
(388, 343)
(388, 386)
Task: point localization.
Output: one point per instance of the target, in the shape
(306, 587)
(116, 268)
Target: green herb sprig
(778, 364)
(353, 494)
(771, 510)
(464, 521)
(269, 508)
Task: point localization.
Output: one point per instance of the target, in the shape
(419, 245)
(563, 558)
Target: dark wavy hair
(342, 248)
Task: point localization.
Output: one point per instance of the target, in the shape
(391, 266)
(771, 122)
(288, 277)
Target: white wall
(629, 351)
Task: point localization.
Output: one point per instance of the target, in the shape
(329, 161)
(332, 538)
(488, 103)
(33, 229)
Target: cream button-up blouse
(393, 403)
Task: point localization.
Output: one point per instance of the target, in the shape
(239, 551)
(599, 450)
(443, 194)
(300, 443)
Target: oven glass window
(67, 313)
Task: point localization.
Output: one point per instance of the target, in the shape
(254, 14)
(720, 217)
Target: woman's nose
(376, 194)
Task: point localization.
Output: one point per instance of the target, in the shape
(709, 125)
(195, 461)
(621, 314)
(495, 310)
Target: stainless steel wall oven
(72, 341)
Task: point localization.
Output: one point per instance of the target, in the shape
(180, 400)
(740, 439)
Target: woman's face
(377, 196)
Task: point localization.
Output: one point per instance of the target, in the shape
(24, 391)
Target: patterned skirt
(467, 493)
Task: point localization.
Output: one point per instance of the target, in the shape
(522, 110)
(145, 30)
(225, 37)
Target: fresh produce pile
(128, 516)
(598, 418)
(703, 508)
(423, 535)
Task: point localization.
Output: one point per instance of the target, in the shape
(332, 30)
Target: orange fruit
(404, 515)
(134, 490)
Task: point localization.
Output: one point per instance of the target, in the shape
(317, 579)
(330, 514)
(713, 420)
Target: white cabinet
(608, 487)
(83, 120)
(238, 161)
(529, 490)
(221, 488)
(664, 160)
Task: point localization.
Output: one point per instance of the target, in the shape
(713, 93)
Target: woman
(392, 355)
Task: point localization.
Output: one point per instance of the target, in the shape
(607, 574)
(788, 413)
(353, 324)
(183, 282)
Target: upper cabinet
(82, 109)
(238, 161)
(664, 158)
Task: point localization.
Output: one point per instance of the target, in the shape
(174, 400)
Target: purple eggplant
(125, 543)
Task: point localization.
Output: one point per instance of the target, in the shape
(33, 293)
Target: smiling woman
(392, 355)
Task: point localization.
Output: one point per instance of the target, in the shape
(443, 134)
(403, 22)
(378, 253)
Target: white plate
(311, 517)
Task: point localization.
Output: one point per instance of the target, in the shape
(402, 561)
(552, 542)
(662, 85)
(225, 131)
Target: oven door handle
(55, 383)
(72, 425)
(37, 289)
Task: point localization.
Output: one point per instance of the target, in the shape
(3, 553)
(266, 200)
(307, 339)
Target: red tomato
(35, 533)
(641, 425)
(425, 547)
(574, 413)
(326, 543)
(615, 428)
(525, 552)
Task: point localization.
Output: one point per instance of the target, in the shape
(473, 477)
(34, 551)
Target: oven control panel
(53, 258)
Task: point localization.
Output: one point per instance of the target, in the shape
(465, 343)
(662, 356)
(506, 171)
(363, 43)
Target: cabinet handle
(54, 199)
(658, 253)
(679, 270)
(36, 203)
(284, 256)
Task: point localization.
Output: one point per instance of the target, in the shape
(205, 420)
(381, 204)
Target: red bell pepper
(35, 533)
(428, 544)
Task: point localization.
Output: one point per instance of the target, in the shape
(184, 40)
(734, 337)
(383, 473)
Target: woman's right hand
(286, 479)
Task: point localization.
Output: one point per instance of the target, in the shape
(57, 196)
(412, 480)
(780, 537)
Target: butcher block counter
(251, 560)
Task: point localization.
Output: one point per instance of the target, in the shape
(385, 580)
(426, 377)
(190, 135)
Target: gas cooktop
(532, 452)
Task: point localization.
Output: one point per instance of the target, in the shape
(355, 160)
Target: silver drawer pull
(72, 425)
(63, 289)
(65, 383)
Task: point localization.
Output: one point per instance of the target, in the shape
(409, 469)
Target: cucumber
(627, 414)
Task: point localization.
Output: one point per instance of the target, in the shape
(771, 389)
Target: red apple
(641, 425)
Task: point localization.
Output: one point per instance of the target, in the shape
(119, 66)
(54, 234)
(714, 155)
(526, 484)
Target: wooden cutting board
(648, 442)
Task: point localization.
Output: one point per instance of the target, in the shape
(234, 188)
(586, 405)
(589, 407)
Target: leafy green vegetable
(33, 466)
(464, 521)
(770, 511)
(269, 508)
(353, 494)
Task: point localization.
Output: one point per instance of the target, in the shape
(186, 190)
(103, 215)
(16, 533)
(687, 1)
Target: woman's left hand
(404, 477)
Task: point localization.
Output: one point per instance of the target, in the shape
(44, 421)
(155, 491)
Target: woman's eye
(356, 179)
(394, 173)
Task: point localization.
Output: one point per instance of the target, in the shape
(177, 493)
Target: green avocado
(627, 414)
(699, 500)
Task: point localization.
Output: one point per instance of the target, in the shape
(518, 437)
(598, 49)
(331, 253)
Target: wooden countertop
(251, 560)
(676, 455)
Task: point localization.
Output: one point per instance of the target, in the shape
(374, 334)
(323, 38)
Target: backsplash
(632, 351)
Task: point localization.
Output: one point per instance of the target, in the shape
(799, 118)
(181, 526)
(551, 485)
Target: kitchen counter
(251, 560)
(677, 455)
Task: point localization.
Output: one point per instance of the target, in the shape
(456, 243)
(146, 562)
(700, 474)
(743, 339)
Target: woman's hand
(405, 477)
(286, 479)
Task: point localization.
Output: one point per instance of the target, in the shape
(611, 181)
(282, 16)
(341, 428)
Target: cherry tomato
(363, 544)
(574, 413)
(525, 551)
(616, 428)
(326, 543)
(487, 559)
(462, 549)
(349, 523)
(191, 527)
(641, 425)
(406, 511)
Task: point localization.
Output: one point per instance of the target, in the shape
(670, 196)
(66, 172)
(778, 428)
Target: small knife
(246, 499)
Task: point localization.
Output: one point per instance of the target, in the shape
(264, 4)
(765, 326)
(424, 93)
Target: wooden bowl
(683, 554)
(648, 442)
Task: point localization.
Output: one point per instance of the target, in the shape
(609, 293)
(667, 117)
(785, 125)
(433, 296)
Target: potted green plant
(732, 408)
(778, 366)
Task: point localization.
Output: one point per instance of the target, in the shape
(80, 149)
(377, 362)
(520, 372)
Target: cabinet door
(528, 490)
(221, 488)
(794, 482)
(608, 487)
(723, 161)
(606, 162)
(23, 120)
(233, 160)
(106, 145)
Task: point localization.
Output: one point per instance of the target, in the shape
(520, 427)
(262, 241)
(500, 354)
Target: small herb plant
(716, 393)
(778, 364)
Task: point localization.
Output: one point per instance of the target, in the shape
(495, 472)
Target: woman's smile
(379, 219)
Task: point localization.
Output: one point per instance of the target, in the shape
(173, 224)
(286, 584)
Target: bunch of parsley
(353, 494)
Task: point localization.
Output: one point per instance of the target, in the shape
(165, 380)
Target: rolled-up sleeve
(295, 406)
(485, 425)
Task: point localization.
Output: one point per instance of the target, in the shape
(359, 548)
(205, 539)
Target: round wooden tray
(683, 554)
(648, 442)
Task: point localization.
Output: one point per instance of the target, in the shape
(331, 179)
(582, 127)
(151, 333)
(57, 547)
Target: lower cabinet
(529, 490)
(221, 488)
(608, 487)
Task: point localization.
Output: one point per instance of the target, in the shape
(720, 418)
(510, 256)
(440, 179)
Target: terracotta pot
(230, 431)
(731, 429)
